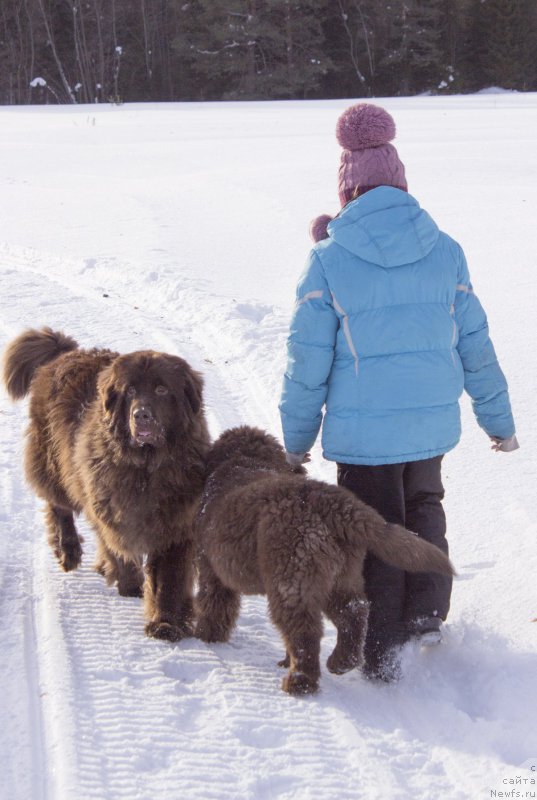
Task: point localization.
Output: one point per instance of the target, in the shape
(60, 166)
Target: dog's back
(266, 511)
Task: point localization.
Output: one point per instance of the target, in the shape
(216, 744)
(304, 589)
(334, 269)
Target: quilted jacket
(386, 334)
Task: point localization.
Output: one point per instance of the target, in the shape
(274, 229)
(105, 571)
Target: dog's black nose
(142, 414)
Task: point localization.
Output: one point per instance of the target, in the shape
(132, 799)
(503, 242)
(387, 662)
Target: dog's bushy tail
(362, 525)
(404, 549)
(27, 352)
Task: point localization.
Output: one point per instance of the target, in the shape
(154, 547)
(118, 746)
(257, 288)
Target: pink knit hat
(368, 159)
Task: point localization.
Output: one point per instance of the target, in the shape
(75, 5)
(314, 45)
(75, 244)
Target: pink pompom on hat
(364, 131)
(368, 159)
(319, 227)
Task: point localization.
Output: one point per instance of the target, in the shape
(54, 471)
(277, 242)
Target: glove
(505, 445)
(297, 459)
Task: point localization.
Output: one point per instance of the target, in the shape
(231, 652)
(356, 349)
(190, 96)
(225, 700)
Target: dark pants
(411, 495)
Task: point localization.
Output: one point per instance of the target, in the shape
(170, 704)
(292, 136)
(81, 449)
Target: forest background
(86, 51)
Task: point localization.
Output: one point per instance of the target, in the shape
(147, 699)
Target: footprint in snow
(255, 312)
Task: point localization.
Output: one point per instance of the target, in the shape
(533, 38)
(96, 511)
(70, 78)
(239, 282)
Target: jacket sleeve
(310, 349)
(483, 378)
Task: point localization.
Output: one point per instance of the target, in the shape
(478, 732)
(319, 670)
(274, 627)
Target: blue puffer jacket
(387, 332)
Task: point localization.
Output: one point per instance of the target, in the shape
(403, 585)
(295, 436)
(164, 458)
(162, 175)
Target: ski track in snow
(116, 715)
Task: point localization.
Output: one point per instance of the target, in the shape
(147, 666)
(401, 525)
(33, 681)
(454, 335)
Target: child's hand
(505, 445)
(297, 459)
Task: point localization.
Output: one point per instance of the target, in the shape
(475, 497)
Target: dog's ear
(107, 391)
(194, 390)
(188, 382)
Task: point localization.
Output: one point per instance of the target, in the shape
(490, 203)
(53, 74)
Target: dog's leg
(168, 592)
(128, 574)
(348, 611)
(217, 607)
(301, 628)
(130, 578)
(286, 661)
(63, 537)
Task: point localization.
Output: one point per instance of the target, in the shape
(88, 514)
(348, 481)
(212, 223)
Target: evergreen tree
(414, 59)
(472, 76)
(452, 42)
(245, 49)
(508, 55)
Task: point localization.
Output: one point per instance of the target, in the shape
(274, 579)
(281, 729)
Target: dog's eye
(131, 391)
(161, 390)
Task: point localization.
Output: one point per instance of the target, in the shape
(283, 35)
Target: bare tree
(354, 40)
(46, 16)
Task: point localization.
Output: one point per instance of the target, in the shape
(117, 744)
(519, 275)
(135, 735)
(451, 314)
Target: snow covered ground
(184, 228)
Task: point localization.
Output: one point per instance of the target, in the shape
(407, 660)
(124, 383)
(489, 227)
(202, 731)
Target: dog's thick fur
(122, 438)
(264, 529)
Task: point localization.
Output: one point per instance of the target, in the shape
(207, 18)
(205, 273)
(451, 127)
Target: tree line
(86, 51)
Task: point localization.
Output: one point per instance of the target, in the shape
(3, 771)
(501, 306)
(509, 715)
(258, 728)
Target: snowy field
(184, 228)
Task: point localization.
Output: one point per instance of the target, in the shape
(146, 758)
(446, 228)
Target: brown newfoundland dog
(264, 529)
(122, 438)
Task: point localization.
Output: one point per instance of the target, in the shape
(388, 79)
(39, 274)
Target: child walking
(386, 334)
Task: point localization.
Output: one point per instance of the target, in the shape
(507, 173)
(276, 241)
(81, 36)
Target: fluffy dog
(122, 438)
(263, 529)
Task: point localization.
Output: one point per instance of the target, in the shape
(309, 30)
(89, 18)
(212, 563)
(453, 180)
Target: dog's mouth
(146, 434)
(144, 437)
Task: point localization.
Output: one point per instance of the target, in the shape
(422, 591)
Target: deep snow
(184, 228)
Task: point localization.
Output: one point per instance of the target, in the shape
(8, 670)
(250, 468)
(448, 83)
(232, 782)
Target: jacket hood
(385, 226)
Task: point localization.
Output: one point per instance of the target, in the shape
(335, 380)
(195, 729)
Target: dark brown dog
(122, 438)
(263, 529)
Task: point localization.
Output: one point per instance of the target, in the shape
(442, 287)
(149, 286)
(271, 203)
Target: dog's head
(150, 399)
(247, 444)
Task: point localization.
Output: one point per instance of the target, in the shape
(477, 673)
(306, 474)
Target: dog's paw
(100, 568)
(285, 662)
(130, 591)
(208, 631)
(169, 632)
(70, 558)
(298, 683)
(338, 665)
